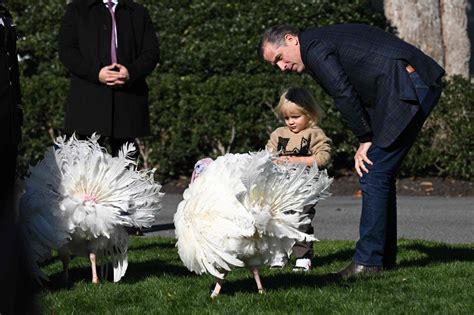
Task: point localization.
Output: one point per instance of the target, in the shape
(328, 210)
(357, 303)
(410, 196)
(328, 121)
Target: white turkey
(242, 210)
(79, 200)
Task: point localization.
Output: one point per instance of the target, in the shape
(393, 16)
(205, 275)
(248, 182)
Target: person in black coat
(106, 96)
(385, 89)
(16, 286)
(11, 115)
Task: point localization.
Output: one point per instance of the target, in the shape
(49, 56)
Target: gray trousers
(305, 249)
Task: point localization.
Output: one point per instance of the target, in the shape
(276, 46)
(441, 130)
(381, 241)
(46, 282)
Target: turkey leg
(92, 258)
(256, 275)
(65, 260)
(217, 288)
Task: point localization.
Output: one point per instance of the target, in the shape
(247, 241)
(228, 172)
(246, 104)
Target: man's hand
(360, 158)
(123, 75)
(113, 75)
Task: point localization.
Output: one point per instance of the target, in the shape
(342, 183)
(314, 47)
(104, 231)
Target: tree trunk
(457, 48)
(437, 27)
(418, 23)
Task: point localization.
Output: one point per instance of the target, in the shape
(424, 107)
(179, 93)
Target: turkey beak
(193, 176)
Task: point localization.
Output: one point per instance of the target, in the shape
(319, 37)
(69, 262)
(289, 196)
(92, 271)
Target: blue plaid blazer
(364, 69)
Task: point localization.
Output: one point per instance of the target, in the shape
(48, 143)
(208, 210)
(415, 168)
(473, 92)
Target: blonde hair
(305, 102)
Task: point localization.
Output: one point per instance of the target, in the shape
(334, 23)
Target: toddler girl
(300, 141)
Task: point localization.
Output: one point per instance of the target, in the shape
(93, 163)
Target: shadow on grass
(76, 274)
(436, 253)
(142, 270)
(431, 252)
(338, 256)
(281, 281)
(153, 246)
(172, 267)
(136, 272)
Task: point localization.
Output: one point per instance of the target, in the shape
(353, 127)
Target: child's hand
(286, 159)
(306, 160)
(281, 160)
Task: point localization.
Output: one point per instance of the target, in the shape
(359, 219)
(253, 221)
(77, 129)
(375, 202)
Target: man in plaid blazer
(385, 89)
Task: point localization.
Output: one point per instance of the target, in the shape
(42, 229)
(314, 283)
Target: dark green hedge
(446, 145)
(211, 94)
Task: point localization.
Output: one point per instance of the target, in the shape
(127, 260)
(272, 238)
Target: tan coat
(310, 141)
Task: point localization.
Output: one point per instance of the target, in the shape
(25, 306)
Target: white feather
(243, 210)
(79, 198)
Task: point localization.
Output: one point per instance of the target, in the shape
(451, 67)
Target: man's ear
(291, 40)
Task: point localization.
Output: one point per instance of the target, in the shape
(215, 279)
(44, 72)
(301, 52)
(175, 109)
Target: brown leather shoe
(355, 269)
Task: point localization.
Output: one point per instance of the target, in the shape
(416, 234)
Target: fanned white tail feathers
(276, 195)
(80, 194)
(243, 209)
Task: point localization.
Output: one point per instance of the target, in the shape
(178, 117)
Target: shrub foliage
(211, 94)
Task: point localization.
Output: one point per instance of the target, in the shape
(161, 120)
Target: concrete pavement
(443, 219)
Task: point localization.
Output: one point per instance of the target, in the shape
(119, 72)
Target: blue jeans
(377, 245)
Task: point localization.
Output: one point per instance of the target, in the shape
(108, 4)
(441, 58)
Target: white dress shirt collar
(114, 2)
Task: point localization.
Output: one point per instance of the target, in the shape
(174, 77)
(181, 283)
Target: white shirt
(114, 4)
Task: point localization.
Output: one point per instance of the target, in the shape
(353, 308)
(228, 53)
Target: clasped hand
(114, 75)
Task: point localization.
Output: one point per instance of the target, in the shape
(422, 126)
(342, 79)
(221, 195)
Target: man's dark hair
(276, 35)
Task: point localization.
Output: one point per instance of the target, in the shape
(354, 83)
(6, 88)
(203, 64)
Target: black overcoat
(11, 115)
(364, 69)
(84, 48)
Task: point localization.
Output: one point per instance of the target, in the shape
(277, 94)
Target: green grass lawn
(431, 278)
